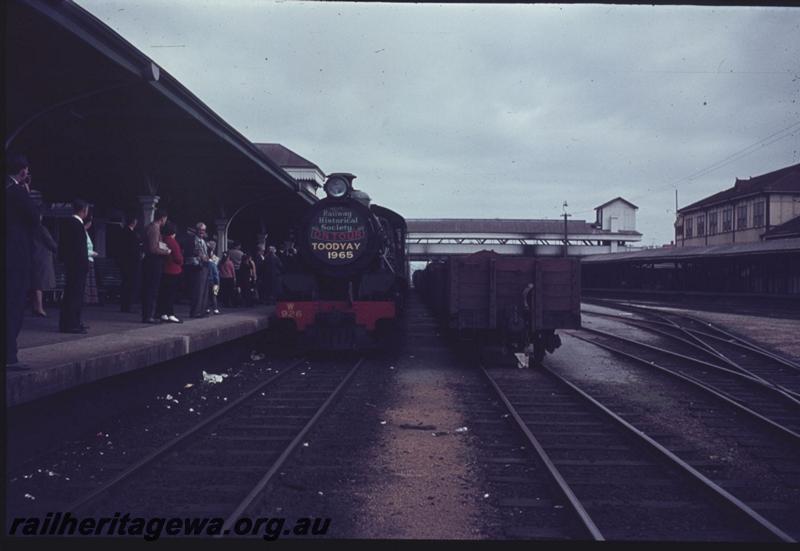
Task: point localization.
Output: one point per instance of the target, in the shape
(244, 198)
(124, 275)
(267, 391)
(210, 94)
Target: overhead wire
(763, 142)
(786, 132)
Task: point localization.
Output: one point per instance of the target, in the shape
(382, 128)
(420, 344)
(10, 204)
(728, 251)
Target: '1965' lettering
(333, 255)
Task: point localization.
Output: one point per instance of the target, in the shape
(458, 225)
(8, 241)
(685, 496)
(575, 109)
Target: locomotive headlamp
(336, 187)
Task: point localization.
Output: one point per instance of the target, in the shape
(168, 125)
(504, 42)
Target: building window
(758, 214)
(701, 225)
(727, 219)
(741, 217)
(689, 231)
(712, 223)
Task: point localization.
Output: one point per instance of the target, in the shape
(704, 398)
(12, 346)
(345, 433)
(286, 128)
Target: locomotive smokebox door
(340, 238)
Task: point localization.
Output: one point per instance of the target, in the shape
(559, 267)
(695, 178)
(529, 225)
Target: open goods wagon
(513, 300)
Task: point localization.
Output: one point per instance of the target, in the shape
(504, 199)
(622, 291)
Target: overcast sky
(484, 111)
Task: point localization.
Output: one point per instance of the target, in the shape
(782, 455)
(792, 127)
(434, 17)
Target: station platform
(116, 343)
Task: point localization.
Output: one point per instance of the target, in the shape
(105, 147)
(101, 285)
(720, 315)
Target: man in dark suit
(22, 218)
(130, 262)
(262, 272)
(74, 253)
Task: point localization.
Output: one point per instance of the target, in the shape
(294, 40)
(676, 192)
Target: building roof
(496, 225)
(784, 180)
(785, 230)
(285, 157)
(667, 254)
(616, 199)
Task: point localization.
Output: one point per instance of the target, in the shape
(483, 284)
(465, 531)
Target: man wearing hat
(22, 218)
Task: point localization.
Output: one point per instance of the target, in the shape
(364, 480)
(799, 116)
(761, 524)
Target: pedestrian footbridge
(428, 239)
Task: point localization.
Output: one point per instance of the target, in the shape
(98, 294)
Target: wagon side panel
(558, 290)
(470, 300)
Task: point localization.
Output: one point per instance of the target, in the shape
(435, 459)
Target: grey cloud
(493, 110)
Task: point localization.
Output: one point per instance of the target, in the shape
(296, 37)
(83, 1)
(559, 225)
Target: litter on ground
(211, 378)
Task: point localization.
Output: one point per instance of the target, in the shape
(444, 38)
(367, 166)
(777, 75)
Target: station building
(743, 241)
(744, 213)
(310, 177)
(616, 215)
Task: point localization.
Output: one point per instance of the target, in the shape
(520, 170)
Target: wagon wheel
(535, 358)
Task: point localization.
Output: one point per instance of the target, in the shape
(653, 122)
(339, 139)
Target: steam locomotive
(348, 288)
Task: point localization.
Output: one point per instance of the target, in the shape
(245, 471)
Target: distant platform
(755, 304)
(116, 343)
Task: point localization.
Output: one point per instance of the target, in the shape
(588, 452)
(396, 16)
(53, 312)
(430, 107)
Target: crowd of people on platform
(233, 280)
(153, 265)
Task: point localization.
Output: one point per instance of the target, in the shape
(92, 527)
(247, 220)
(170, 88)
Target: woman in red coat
(173, 266)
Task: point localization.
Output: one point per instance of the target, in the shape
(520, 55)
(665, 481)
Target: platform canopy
(100, 120)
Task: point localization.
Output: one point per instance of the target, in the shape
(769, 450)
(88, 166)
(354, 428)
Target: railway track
(220, 466)
(717, 344)
(619, 483)
(527, 504)
(772, 404)
(524, 503)
(771, 307)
